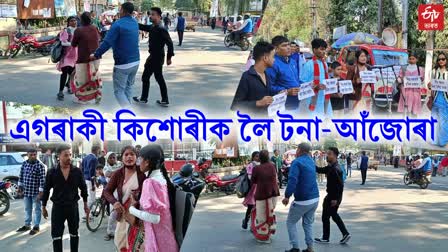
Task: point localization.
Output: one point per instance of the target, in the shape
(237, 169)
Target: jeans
(296, 212)
(60, 214)
(349, 170)
(29, 201)
(92, 194)
(329, 211)
(123, 81)
(112, 221)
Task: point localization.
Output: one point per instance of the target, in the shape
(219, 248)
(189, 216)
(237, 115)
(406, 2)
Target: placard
(388, 75)
(331, 86)
(439, 85)
(278, 104)
(306, 90)
(345, 87)
(397, 70)
(37, 9)
(8, 10)
(412, 82)
(367, 77)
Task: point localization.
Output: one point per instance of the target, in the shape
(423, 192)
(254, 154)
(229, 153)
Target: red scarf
(316, 82)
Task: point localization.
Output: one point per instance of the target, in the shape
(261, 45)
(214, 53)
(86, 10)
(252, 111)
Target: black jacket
(335, 184)
(251, 89)
(158, 38)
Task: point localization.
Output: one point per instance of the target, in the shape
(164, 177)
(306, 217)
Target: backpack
(56, 51)
(243, 185)
(184, 203)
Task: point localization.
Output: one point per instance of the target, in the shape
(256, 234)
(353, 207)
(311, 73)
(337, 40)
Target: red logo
(430, 17)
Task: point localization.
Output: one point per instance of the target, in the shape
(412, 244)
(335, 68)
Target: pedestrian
(89, 164)
(265, 177)
(321, 162)
(278, 162)
(253, 94)
(158, 39)
(167, 22)
(95, 20)
(156, 207)
(78, 19)
(48, 159)
(364, 165)
(31, 186)
(123, 38)
(225, 23)
(343, 165)
(102, 158)
(316, 71)
(125, 181)
(213, 23)
(440, 102)
(435, 164)
(249, 200)
(181, 24)
(362, 98)
(111, 166)
(69, 57)
(297, 56)
(65, 181)
(284, 75)
(87, 81)
(410, 97)
(302, 183)
(444, 164)
(335, 189)
(349, 164)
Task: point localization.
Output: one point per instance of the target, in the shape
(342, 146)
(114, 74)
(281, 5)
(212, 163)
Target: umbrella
(355, 38)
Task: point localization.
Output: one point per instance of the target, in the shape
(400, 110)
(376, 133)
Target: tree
(146, 5)
(440, 38)
(330, 142)
(164, 4)
(184, 5)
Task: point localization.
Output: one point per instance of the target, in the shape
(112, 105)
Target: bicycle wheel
(96, 216)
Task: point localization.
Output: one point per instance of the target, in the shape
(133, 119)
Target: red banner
(430, 17)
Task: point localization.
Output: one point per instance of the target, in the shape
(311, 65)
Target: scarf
(316, 83)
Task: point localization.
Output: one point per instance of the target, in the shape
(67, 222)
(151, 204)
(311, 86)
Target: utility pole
(429, 52)
(380, 17)
(405, 23)
(314, 15)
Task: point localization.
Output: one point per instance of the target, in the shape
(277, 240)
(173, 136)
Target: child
(339, 102)
(101, 179)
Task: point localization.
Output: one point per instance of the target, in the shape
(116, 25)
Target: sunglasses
(441, 59)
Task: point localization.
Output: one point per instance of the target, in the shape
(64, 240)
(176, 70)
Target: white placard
(306, 91)
(346, 87)
(388, 75)
(439, 85)
(397, 70)
(367, 77)
(331, 86)
(278, 104)
(230, 152)
(412, 82)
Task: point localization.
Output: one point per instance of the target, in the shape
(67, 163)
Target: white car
(10, 164)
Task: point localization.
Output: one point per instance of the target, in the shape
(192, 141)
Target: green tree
(330, 142)
(164, 4)
(184, 5)
(146, 5)
(440, 36)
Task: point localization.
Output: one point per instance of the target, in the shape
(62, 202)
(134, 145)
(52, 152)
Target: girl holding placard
(362, 98)
(439, 109)
(410, 97)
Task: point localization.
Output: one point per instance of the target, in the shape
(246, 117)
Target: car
(10, 165)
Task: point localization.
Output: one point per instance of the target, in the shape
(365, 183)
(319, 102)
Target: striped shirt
(32, 178)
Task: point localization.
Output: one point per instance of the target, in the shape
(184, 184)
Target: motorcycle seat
(229, 177)
(45, 38)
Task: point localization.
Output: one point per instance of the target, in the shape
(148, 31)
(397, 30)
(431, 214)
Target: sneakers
(321, 240)
(345, 239)
(60, 96)
(108, 237)
(244, 225)
(139, 100)
(23, 229)
(163, 103)
(34, 231)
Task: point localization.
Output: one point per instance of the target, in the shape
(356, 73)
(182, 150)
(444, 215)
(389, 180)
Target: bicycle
(97, 212)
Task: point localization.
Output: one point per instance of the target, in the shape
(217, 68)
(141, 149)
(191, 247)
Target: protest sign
(278, 104)
(439, 85)
(306, 91)
(412, 82)
(367, 77)
(346, 87)
(331, 86)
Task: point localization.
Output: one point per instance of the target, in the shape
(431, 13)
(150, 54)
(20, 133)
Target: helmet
(186, 170)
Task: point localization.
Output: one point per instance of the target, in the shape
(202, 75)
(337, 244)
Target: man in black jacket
(158, 38)
(335, 189)
(253, 94)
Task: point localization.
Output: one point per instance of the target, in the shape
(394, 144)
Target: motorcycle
(191, 183)
(285, 172)
(5, 197)
(226, 184)
(28, 43)
(423, 181)
(244, 42)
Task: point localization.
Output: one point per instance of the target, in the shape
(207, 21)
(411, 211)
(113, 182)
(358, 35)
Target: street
(383, 215)
(204, 75)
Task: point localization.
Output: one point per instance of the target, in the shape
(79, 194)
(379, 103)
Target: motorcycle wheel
(244, 44)
(46, 51)
(424, 183)
(227, 41)
(11, 53)
(96, 216)
(406, 179)
(231, 189)
(4, 204)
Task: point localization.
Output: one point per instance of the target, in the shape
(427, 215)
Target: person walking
(335, 189)
(444, 164)
(253, 94)
(48, 159)
(225, 23)
(158, 39)
(102, 158)
(167, 22)
(440, 101)
(123, 38)
(265, 177)
(302, 183)
(69, 57)
(435, 166)
(349, 164)
(343, 165)
(31, 186)
(156, 207)
(249, 200)
(364, 166)
(65, 180)
(278, 162)
(181, 24)
(213, 23)
(89, 164)
(125, 181)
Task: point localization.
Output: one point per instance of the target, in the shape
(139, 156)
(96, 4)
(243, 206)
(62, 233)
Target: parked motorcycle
(5, 197)
(189, 181)
(244, 42)
(28, 43)
(423, 181)
(226, 184)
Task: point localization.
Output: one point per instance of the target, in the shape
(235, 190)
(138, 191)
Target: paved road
(384, 215)
(204, 75)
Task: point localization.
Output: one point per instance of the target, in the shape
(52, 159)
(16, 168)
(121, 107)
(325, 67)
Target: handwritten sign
(346, 87)
(439, 85)
(367, 77)
(331, 86)
(278, 104)
(397, 70)
(412, 82)
(306, 90)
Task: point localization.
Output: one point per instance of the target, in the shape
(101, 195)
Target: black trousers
(248, 211)
(236, 36)
(329, 211)
(60, 214)
(154, 66)
(280, 177)
(364, 175)
(66, 72)
(181, 36)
